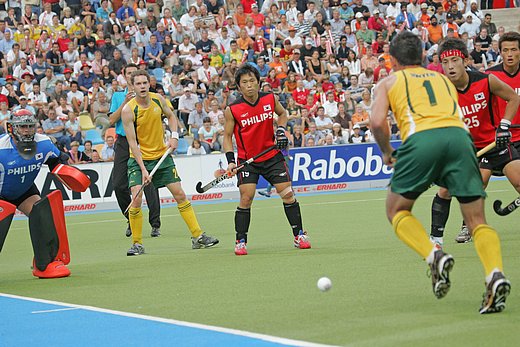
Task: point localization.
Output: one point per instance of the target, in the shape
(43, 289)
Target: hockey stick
(486, 149)
(506, 210)
(155, 168)
(200, 189)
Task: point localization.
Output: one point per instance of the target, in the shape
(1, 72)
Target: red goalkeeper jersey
(476, 106)
(254, 126)
(500, 104)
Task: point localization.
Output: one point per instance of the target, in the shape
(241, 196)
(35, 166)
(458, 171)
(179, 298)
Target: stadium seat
(98, 148)
(94, 136)
(158, 73)
(85, 122)
(183, 147)
(110, 132)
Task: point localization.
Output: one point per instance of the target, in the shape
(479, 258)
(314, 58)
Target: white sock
(490, 276)
(431, 256)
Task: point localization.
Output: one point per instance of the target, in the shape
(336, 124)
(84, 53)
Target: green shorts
(444, 156)
(166, 174)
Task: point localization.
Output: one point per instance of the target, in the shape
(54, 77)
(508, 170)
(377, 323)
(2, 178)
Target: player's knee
(286, 193)
(444, 193)
(180, 197)
(246, 201)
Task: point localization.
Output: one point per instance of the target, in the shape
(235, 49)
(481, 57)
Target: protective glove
(281, 139)
(503, 135)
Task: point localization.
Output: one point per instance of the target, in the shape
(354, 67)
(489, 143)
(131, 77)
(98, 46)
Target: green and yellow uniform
(436, 145)
(436, 148)
(149, 135)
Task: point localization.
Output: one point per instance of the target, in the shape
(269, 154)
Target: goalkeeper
(22, 153)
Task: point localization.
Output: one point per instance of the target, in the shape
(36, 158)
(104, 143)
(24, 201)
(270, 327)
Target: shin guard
(48, 231)
(7, 211)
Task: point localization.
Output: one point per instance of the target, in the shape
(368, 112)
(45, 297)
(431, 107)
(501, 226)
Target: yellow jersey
(148, 127)
(422, 99)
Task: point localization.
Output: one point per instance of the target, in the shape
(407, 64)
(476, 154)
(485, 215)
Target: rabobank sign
(334, 164)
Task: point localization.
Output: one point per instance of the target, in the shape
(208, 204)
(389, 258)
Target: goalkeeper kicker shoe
(56, 269)
(464, 235)
(497, 291)
(302, 240)
(440, 270)
(240, 247)
(136, 249)
(203, 241)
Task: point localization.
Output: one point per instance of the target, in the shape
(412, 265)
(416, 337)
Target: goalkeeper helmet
(22, 128)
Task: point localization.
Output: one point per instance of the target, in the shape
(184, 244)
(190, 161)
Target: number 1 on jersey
(431, 96)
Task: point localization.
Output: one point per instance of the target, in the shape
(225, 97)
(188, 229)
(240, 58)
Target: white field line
(262, 337)
(56, 310)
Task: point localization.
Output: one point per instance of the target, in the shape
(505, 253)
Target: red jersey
(500, 104)
(475, 104)
(254, 126)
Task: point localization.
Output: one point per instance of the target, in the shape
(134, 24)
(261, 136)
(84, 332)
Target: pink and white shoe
(240, 247)
(302, 240)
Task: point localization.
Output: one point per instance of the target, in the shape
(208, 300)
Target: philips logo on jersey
(474, 108)
(24, 169)
(256, 119)
(479, 96)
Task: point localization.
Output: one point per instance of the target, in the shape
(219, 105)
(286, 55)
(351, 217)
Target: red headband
(452, 53)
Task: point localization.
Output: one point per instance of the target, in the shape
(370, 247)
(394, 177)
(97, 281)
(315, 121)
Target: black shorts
(496, 159)
(274, 170)
(33, 190)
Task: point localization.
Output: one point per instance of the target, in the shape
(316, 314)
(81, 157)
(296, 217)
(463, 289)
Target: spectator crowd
(63, 60)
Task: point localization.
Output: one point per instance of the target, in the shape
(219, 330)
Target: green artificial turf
(380, 296)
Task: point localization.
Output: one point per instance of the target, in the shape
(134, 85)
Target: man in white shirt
(185, 47)
(478, 16)
(469, 27)
(310, 14)
(46, 16)
(330, 106)
(206, 72)
(107, 152)
(19, 70)
(323, 123)
(187, 103)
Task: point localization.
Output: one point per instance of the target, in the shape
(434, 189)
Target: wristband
(505, 121)
(230, 156)
(175, 135)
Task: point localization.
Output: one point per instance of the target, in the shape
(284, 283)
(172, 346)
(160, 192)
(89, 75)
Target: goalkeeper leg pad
(7, 211)
(49, 237)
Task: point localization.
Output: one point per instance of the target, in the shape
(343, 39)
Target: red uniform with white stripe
(500, 104)
(476, 105)
(254, 131)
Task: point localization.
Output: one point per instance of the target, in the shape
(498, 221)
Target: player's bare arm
(378, 122)
(501, 89)
(507, 93)
(229, 126)
(173, 142)
(282, 141)
(128, 124)
(281, 112)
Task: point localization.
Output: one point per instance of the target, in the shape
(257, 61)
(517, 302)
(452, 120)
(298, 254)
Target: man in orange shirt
(279, 66)
(434, 31)
(423, 16)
